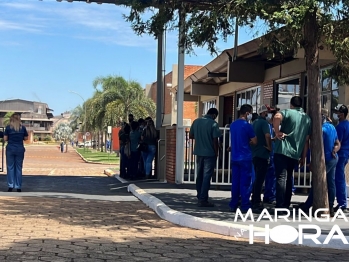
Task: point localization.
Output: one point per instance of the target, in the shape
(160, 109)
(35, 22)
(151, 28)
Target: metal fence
(222, 172)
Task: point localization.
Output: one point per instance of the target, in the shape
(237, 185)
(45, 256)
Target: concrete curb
(179, 218)
(214, 226)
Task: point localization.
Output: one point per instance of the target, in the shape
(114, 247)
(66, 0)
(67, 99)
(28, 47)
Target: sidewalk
(178, 204)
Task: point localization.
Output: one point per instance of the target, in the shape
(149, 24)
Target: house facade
(170, 103)
(254, 79)
(36, 116)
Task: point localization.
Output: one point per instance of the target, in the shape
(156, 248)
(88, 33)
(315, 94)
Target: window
(208, 105)
(286, 90)
(251, 96)
(329, 91)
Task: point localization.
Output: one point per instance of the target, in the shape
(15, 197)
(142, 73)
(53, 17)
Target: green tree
(7, 118)
(119, 97)
(76, 117)
(289, 25)
(63, 132)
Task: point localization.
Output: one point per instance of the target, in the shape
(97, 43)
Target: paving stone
(64, 228)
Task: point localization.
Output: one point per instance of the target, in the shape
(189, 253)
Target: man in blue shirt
(242, 136)
(331, 147)
(340, 113)
(205, 131)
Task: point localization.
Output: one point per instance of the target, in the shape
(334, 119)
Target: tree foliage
(282, 21)
(63, 132)
(7, 118)
(288, 25)
(115, 98)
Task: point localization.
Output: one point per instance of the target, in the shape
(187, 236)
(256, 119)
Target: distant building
(170, 103)
(36, 116)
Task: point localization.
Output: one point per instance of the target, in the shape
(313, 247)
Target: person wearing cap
(241, 136)
(291, 146)
(340, 114)
(331, 147)
(261, 155)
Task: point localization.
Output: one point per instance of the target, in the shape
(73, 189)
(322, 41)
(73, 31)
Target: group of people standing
(267, 151)
(138, 141)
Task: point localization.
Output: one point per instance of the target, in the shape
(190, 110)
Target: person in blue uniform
(331, 147)
(15, 133)
(242, 136)
(340, 114)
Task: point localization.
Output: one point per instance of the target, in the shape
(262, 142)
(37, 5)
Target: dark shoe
(19, 190)
(331, 212)
(344, 209)
(257, 208)
(269, 202)
(9, 189)
(243, 211)
(205, 204)
(303, 207)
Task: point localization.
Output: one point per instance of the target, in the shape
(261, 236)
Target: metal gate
(222, 172)
(2, 129)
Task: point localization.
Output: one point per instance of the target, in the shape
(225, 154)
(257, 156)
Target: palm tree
(76, 117)
(7, 118)
(125, 97)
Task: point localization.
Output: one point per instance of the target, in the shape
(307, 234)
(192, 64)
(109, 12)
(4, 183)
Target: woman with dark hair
(15, 134)
(135, 136)
(124, 138)
(150, 138)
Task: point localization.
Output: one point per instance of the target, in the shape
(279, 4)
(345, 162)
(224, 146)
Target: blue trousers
(148, 157)
(341, 187)
(205, 168)
(241, 184)
(331, 186)
(14, 163)
(270, 183)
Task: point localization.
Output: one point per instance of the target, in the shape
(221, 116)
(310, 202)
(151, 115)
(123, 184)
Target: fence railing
(222, 172)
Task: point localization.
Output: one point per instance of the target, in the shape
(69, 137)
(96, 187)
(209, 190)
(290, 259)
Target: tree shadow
(90, 185)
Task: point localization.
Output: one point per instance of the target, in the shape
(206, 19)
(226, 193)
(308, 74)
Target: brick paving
(48, 160)
(72, 230)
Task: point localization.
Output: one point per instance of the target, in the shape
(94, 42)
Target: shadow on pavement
(91, 185)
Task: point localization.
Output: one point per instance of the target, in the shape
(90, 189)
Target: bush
(48, 138)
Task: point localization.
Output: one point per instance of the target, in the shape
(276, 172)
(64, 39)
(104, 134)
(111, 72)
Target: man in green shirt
(205, 131)
(291, 147)
(261, 154)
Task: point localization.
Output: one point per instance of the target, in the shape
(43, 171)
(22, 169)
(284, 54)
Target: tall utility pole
(84, 105)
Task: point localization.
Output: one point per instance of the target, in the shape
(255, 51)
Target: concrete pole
(180, 101)
(160, 81)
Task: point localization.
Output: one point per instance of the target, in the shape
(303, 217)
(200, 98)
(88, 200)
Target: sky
(49, 48)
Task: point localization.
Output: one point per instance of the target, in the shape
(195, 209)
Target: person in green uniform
(291, 147)
(205, 131)
(261, 154)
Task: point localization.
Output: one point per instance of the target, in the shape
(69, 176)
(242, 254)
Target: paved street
(76, 213)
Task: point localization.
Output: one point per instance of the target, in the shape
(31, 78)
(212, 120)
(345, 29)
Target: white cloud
(8, 25)
(103, 23)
